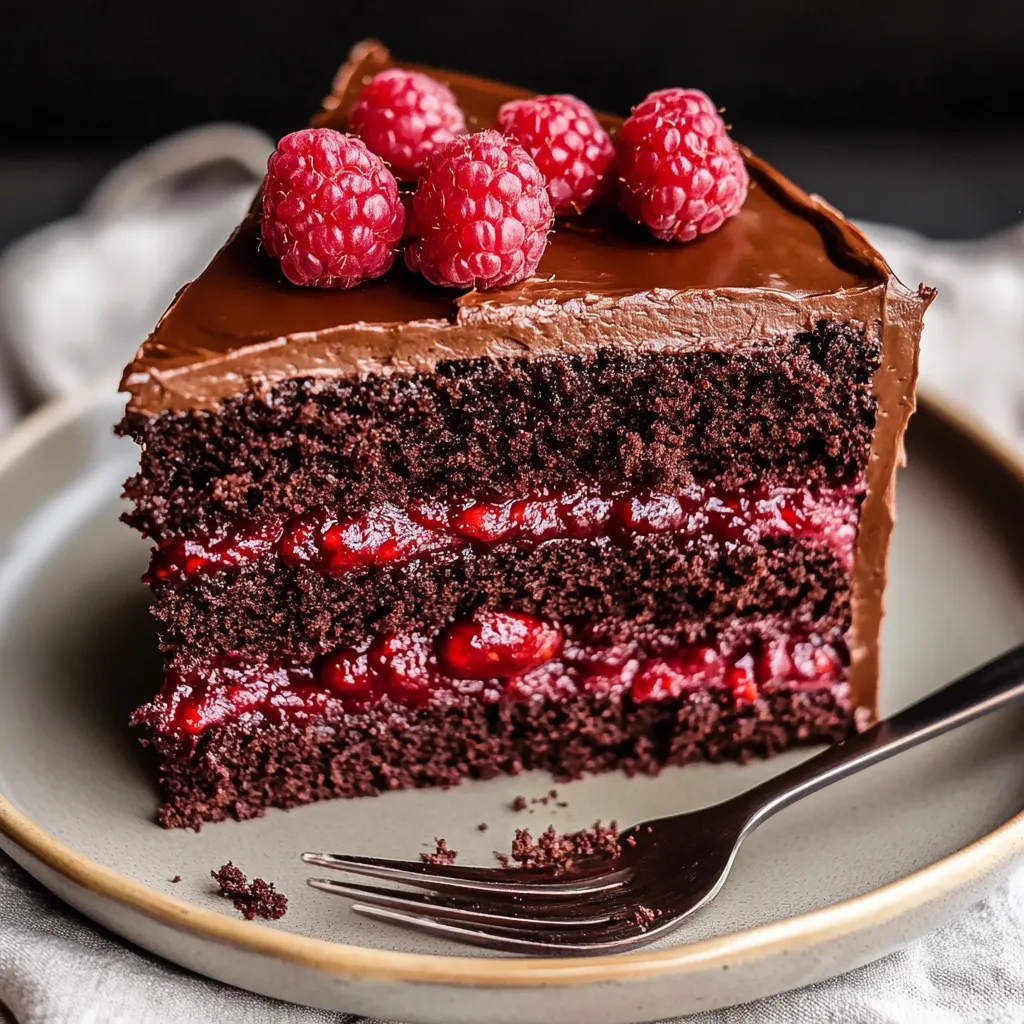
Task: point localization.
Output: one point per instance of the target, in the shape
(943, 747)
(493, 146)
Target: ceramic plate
(832, 883)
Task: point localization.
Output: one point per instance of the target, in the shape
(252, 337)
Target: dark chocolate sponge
(240, 769)
(267, 612)
(800, 410)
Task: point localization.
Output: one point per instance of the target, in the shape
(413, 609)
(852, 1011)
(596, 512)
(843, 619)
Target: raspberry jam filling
(388, 535)
(494, 656)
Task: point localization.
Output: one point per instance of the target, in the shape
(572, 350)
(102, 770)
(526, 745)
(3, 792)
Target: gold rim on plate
(969, 864)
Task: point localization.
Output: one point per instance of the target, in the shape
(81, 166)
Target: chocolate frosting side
(784, 262)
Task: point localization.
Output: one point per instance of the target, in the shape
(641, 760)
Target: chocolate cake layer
(240, 769)
(273, 611)
(800, 409)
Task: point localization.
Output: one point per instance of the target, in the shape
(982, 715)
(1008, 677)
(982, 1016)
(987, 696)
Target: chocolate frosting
(785, 261)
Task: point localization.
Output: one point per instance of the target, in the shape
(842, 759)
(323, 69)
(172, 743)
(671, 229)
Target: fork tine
(489, 881)
(611, 937)
(374, 896)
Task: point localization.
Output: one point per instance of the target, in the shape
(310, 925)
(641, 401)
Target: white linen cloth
(75, 300)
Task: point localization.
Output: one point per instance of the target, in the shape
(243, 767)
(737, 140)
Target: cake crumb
(520, 803)
(482, 827)
(643, 916)
(176, 879)
(560, 851)
(443, 853)
(257, 898)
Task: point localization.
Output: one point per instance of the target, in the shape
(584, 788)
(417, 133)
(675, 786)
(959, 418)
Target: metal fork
(665, 869)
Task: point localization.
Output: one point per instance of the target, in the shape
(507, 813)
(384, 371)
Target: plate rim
(360, 963)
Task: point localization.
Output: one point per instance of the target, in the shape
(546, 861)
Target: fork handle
(994, 684)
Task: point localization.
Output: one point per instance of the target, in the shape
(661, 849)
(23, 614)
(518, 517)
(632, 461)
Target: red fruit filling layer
(495, 656)
(388, 535)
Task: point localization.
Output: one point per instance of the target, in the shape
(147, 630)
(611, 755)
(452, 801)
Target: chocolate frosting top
(785, 261)
(602, 280)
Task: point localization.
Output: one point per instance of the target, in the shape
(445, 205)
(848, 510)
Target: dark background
(906, 110)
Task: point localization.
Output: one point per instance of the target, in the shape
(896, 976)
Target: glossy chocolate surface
(602, 281)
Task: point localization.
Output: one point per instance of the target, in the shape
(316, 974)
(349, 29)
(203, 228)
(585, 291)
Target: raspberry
(813, 660)
(656, 513)
(403, 116)
(658, 680)
(481, 215)
(331, 212)
(571, 148)
(680, 173)
(381, 536)
(488, 523)
(347, 673)
(773, 663)
(693, 668)
(402, 664)
(498, 645)
(740, 679)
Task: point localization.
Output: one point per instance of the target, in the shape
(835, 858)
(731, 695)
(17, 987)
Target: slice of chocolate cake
(631, 511)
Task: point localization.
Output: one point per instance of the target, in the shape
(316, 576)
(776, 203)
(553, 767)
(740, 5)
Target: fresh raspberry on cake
(480, 216)
(571, 148)
(403, 116)
(331, 210)
(680, 173)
